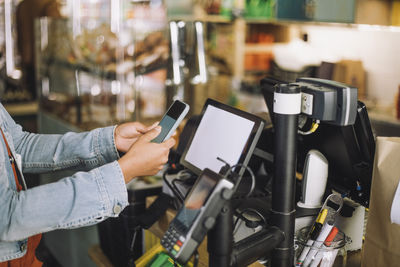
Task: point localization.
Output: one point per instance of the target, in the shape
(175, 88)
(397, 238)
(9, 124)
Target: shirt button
(23, 247)
(117, 209)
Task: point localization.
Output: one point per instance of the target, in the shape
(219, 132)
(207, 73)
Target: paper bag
(382, 239)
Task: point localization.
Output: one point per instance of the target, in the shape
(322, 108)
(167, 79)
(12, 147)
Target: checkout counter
(225, 140)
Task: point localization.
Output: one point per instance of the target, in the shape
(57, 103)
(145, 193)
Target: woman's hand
(145, 157)
(128, 133)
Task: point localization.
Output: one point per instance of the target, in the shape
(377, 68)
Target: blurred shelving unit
(10, 69)
(104, 63)
(246, 57)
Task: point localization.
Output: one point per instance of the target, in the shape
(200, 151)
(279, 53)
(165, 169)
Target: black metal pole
(287, 107)
(220, 239)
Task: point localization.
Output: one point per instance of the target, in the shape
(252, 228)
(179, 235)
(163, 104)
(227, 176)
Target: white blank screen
(220, 134)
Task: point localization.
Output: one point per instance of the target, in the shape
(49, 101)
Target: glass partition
(103, 64)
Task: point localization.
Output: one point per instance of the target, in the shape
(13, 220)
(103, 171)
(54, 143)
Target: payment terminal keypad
(173, 239)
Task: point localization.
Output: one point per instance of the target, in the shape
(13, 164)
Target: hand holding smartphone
(171, 120)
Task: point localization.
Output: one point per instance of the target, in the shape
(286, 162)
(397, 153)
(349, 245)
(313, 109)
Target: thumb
(150, 135)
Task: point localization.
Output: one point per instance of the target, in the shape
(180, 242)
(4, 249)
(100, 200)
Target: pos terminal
(197, 216)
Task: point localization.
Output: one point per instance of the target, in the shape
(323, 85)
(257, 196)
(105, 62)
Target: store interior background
(369, 35)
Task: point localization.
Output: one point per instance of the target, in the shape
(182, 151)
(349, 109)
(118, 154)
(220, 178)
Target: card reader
(197, 216)
(328, 101)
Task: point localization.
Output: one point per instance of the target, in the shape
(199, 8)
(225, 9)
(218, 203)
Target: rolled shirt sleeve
(83, 199)
(73, 151)
(50, 152)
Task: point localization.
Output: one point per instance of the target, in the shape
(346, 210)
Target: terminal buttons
(173, 240)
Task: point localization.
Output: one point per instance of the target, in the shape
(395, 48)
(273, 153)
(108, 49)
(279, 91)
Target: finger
(141, 128)
(169, 143)
(130, 129)
(151, 127)
(150, 135)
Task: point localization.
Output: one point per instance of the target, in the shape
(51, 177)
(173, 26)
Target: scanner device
(315, 177)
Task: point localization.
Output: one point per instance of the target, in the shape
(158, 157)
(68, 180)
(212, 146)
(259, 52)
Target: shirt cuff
(106, 144)
(115, 188)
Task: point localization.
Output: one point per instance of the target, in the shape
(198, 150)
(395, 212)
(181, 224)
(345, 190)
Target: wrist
(127, 170)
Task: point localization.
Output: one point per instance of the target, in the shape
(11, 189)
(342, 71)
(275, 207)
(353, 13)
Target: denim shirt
(85, 198)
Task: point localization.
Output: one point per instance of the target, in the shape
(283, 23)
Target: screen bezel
(251, 141)
(175, 110)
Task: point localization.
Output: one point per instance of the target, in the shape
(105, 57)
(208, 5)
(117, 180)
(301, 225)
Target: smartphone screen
(171, 120)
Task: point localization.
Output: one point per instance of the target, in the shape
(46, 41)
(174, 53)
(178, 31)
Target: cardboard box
(373, 12)
(351, 72)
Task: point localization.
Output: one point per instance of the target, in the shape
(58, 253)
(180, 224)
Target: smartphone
(171, 120)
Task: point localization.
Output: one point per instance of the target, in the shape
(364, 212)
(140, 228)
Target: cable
(177, 194)
(313, 128)
(243, 218)
(256, 212)
(183, 174)
(131, 261)
(176, 187)
(253, 178)
(196, 259)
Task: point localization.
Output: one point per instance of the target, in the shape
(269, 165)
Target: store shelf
(207, 18)
(109, 74)
(22, 109)
(224, 19)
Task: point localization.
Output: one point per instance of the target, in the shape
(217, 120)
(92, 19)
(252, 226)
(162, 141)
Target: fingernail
(158, 128)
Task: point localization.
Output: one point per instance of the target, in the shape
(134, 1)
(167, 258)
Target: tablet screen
(223, 132)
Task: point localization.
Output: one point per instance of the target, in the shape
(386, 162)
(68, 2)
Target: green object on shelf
(260, 9)
(226, 8)
(162, 259)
